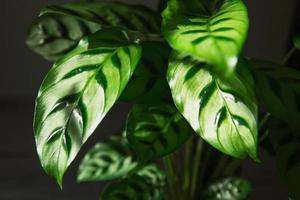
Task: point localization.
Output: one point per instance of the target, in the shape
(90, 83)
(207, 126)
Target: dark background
(273, 22)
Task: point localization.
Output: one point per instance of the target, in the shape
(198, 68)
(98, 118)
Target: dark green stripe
(206, 94)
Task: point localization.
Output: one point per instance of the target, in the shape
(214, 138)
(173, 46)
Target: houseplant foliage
(182, 70)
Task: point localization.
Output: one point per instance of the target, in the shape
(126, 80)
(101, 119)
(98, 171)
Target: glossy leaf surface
(108, 14)
(221, 111)
(278, 90)
(52, 36)
(229, 189)
(286, 144)
(214, 31)
(77, 93)
(155, 131)
(107, 160)
(148, 83)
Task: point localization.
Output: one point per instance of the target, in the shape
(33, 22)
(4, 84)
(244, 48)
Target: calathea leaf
(53, 35)
(278, 90)
(107, 14)
(221, 111)
(78, 92)
(296, 40)
(147, 184)
(229, 189)
(155, 131)
(286, 144)
(107, 160)
(214, 31)
(148, 83)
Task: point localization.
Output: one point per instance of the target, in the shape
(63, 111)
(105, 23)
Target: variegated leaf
(148, 83)
(107, 160)
(278, 90)
(107, 14)
(221, 111)
(214, 31)
(155, 131)
(286, 144)
(78, 92)
(53, 35)
(229, 189)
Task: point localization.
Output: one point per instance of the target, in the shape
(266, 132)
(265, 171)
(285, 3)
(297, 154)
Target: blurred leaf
(107, 160)
(286, 144)
(77, 93)
(213, 31)
(296, 40)
(221, 111)
(229, 189)
(278, 90)
(156, 131)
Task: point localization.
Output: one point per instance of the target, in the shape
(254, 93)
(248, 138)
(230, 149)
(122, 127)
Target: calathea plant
(189, 87)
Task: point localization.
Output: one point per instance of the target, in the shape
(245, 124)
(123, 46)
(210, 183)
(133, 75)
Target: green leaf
(213, 31)
(108, 14)
(229, 189)
(153, 175)
(107, 160)
(278, 90)
(296, 41)
(78, 92)
(52, 35)
(286, 144)
(148, 83)
(222, 111)
(155, 131)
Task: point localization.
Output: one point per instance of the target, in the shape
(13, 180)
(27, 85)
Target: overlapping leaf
(286, 144)
(132, 188)
(229, 189)
(107, 14)
(107, 160)
(214, 31)
(155, 131)
(78, 92)
(222, 111)
(148, 83)
(52, 35)
(278, 90)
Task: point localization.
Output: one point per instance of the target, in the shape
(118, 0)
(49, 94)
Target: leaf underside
(223, 112)
(213, 31)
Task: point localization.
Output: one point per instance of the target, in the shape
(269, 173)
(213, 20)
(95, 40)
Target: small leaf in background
(278, 90)
(111, 14)
(107, 160)
(133, 188)
(213, 31)
(148, 83)
(229, 189)
(52, 36)
(77, 93)
(153, 175)
(221, 111)
(296, 41)
(156, 131)
(286, 144)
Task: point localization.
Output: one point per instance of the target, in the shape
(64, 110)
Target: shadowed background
(273, 22)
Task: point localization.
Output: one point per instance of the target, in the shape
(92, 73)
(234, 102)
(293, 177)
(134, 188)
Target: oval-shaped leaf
(155, 131)
(137, 18)
(286, 144)
(221, 111)
(278, 90)
(153, 175)
(132, 188)
(229, 189)
(214, 31)
(52, 35)
(107, 160)
(148, 83)
(77, 93)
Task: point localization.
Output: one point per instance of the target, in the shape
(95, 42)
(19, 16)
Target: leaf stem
(170, 176)
(220, 166)
(288, 56)
(187, 160)
(196, 165)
